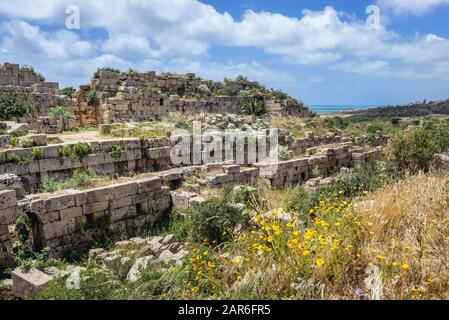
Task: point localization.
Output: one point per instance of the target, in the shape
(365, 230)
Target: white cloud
(156, 33)
(415, 7)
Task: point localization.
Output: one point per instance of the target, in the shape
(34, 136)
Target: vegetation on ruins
(79, 179)
(13, 157)
(68, 91)
(13, 107)
(78, 150)
(281, 152)
(150, 89)
(254, 107)
(99, 70)
(60, 112)
(324, 248)
(41, 77)
(92, 97)
(116, 152)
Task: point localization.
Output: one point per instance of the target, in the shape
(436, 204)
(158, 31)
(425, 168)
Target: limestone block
(95, 207)
(48, 217)
(139, 265)
(28, 284)
(7, 199)
(123, 213)
(99, 194)
(71, 213)
(124, 190)
(121, 202)
(231, 169)
(60, 202)
(59, 228)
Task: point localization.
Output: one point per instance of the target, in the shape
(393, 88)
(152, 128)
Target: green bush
(117, 152)
(412, 151)
(214, 219)
(69, 91)
(13, 107)
(97, 73)
(367, 179)
(255, 107)
(80, 178)
(13, 157)
(77, 150)
(92, 98)
(60, 112)
(36, 153)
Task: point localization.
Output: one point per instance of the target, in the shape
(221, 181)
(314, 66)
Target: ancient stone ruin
(25, 83)
(117, 97)
(142, 183)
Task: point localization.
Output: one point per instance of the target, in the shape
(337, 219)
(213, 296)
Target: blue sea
(323, 109)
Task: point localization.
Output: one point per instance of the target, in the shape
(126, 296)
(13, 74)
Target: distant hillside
(412, 110)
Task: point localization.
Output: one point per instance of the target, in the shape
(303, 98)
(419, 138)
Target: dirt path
(83, 136)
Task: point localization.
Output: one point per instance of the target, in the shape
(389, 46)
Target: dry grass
(410, 227)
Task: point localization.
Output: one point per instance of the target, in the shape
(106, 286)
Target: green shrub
(77, 150)
(369, 178)
(60, 112)
(117, 152)
(216, 218)
(69, 91)
(412, 151)
(92, 98)
(13, 107)
(281, 153)
(31, 69)
(36, 153)
(97, 73)
(79, 178)
(254, 107)
(13, 157)
(23, 228)
(227, 90)
(279, 95)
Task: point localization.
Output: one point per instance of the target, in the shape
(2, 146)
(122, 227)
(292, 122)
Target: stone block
(28, 284)
(149, 184)
(99, 194)
(7, 199)
(71, 213)
(58, 229)
(231, 169)
(60, 202)
(124, 190)
(95, 207)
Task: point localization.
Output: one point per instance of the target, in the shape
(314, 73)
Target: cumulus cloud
(180, 33)
(415, 7)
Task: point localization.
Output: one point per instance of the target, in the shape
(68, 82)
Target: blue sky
(322, 52)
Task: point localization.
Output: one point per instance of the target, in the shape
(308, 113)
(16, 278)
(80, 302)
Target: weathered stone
(169, 239)
(28, 284)
(7, 199)
(139, 265)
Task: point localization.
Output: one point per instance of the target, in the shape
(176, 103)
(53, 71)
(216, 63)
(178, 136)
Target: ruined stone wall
(14, 75)
(300, 146)
(289, 173)
(67, 221)
(134, 157)
(8, 214)
(43, 96)
(136, 97)
(28, 85)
